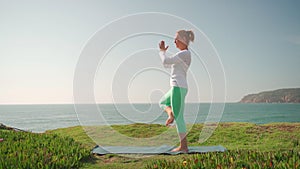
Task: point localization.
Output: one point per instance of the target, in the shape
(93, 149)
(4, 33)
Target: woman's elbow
(165, 61)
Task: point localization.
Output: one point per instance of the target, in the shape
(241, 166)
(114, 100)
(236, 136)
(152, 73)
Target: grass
(32, 150)
(232, 159)
(249, 145)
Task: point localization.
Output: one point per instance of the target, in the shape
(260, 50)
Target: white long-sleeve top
(179, 63)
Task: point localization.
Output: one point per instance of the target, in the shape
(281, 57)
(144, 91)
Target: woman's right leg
(177, 103)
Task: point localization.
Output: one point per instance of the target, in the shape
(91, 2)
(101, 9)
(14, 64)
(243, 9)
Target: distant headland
(291, 95)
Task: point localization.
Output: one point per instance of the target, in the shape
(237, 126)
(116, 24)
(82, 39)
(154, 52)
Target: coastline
(39, 118)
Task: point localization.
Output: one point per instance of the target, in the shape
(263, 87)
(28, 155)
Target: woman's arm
(169, 60)
(165, 59)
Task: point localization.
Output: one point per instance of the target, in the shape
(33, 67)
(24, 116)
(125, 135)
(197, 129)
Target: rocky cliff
(276, 96)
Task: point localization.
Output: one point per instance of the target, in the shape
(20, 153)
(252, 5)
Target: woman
(173, 101)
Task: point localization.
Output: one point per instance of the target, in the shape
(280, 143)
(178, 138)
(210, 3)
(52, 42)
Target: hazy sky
(40, 43)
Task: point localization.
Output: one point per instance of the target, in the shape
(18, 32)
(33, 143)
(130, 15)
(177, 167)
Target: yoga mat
(164, 149)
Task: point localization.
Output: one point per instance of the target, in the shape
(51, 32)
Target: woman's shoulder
(183, 52)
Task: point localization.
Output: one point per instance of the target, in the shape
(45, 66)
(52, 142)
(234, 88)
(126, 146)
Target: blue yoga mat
(164, 149)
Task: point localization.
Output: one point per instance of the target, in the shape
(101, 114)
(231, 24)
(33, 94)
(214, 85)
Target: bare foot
(184, 150)
(170, 120)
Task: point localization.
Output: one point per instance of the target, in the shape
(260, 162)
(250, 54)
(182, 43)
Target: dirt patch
(113, 158)
(110, 160)
(286, 127)
(273, 128)
(224, 125)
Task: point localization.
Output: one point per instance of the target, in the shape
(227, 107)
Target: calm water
(38, 118)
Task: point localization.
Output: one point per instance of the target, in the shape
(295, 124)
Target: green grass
(32, 150)
(232, 159)
(249, 145)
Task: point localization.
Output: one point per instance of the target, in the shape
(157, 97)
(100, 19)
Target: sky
(258, 44)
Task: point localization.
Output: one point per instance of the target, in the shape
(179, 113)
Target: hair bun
(191, 35)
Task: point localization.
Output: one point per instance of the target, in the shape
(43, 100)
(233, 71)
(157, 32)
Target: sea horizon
(3, 104)
(42, 117)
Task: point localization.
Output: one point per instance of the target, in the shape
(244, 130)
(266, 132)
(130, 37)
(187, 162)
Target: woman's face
(179, 42)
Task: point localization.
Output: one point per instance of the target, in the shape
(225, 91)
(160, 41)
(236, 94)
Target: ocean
(39, 118)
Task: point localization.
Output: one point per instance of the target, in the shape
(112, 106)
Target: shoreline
(39, 118)
(7, 127)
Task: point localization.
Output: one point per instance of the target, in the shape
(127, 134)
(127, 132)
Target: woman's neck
(185, 48)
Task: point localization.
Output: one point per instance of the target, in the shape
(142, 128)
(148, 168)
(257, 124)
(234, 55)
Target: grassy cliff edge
(263, 141)
(274, 145)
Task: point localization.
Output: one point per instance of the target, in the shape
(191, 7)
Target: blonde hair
(188, 36)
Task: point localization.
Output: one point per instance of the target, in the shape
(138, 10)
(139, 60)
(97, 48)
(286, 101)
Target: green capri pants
(175, 98)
